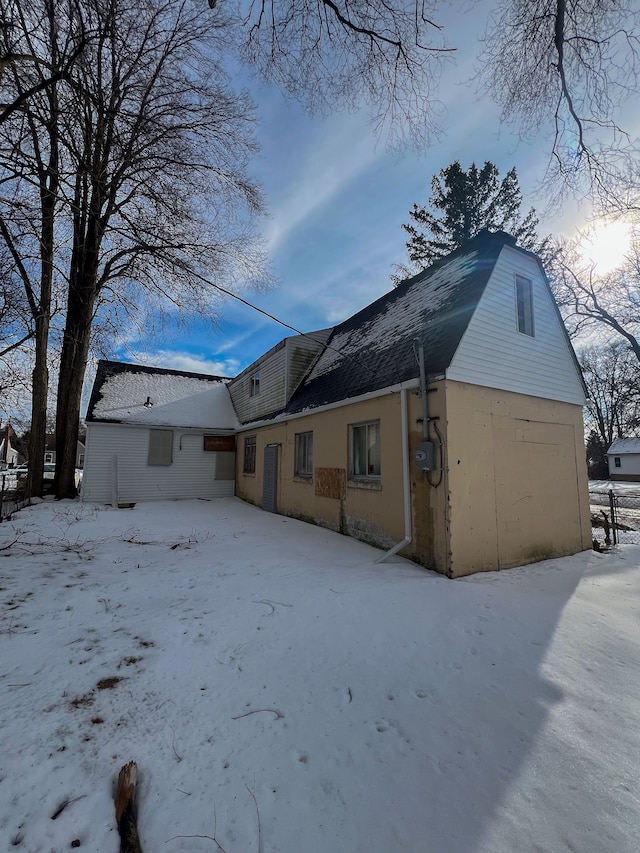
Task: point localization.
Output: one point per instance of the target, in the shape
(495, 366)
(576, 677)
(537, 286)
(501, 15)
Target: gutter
(406, 482)
(283, 417)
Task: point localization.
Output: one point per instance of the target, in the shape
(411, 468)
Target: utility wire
(281, 322)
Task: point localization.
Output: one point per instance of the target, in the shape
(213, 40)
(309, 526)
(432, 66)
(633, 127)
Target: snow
(625, 445)
(366, 707)
(603, 487)
(412, 310)
(174, 401)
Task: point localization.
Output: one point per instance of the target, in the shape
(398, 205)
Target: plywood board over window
(160, 447)
(220, 443)
(330, 483)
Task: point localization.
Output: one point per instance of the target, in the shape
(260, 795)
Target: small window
(524, 302)
(255, 385)
(365, 450)
(304, 454)
(160, 447)
(616, 461)
(48, 457)
(249, 466)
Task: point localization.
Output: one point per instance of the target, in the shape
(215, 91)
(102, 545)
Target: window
(616, 461)
(160, 447)
(48, 457)
(365, 450)
(249, 455)
(524, 302)
(255, 385)
(304, 454)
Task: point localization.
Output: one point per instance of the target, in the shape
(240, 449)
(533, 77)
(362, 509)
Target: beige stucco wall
(513, 488)
(516, 479)
(374, 514)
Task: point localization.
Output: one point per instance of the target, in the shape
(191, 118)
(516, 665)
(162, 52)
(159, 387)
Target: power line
(281, 322)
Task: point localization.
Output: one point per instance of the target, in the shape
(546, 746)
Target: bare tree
(150, 188)
(568, 65)
(589, 300)
(30, 178)
(387, 55)
(19, 45)
(610, 371)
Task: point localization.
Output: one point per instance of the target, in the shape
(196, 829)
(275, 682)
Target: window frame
(525, 319)
(355, 430)
(617, 462)
(249, 454)
(304, 448)
(254, 384)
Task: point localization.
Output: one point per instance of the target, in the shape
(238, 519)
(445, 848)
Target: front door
(270, 479)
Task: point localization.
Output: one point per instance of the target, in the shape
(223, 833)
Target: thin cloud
(192, 362)
(337, 157)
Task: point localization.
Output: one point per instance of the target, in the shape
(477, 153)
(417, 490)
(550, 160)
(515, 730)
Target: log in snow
(125, 809)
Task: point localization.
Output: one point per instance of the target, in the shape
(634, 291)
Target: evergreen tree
(462, 204)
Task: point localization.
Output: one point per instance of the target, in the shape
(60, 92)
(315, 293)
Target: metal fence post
(614, 520)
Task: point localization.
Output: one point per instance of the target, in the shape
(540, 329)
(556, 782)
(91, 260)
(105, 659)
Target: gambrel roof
(375, 348)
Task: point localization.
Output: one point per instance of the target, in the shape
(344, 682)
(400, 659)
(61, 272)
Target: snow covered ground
(282, 692)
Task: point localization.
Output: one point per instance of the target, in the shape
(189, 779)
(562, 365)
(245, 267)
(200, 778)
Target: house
(623, 457)
(158, 434)
(50, 449)
(442, 422)
(9, 456)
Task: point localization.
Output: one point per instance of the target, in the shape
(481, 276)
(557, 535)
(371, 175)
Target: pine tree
(469, 202)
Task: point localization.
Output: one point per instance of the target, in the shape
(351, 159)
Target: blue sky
(336, 200)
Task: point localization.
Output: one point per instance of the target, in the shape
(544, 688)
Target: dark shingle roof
(375, 348)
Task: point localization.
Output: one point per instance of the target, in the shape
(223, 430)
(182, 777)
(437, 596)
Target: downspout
(406, 482)
(423, 394)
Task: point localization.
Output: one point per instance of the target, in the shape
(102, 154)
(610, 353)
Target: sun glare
(606, 245)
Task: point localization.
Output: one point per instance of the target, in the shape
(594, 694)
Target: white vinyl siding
(494, 354)
(194, 473)
(301, 353)
(267, 385)
(252, 400)
(625, 464)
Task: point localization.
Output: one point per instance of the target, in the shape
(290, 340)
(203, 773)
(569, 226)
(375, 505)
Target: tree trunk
(73, 362)
(40, 393)
(126, 808)
(49, 182)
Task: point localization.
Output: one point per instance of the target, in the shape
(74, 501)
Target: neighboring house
(442, 422)
(9, 456)
(50, 450)
(498, 423)
(624, 460)
(158, 434)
